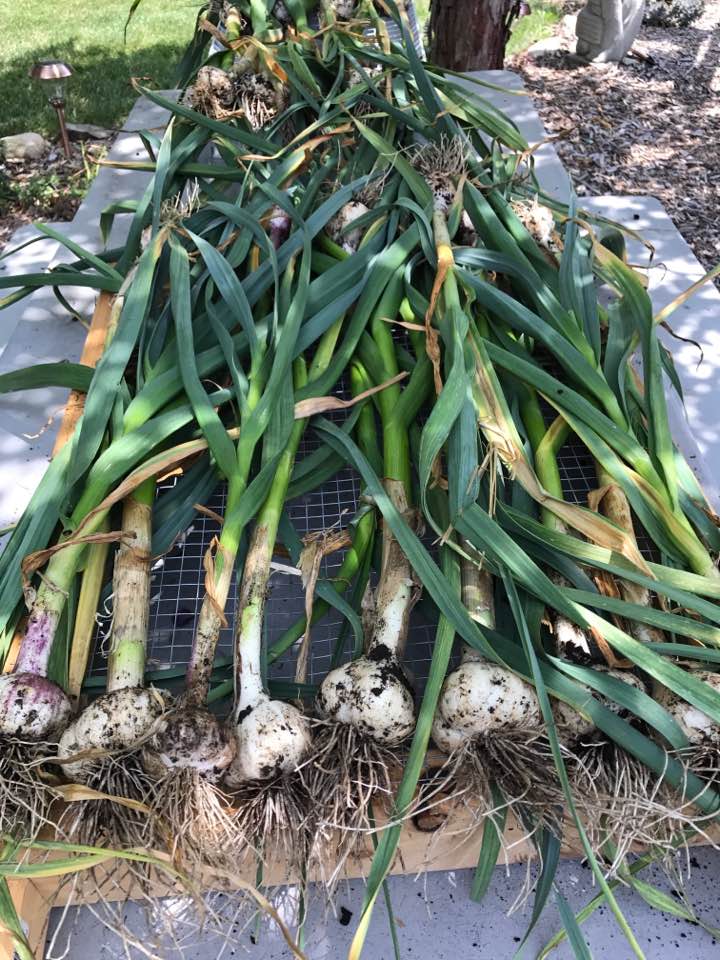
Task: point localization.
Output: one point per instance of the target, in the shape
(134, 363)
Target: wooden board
(454, 847)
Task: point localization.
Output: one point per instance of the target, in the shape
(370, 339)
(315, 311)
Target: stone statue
(606, 29)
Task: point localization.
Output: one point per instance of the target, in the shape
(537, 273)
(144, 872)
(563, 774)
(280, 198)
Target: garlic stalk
(571, 641)
(372, 694)
(123, 716)
(102, 746)
(614, 505)
(271, 736)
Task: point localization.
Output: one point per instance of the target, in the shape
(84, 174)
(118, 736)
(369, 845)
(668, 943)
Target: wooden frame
(454, 846)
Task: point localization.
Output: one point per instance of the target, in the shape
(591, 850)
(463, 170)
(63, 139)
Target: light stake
(53, 75)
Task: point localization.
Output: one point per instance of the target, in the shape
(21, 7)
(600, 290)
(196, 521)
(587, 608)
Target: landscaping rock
(23, 146)
(88, 131)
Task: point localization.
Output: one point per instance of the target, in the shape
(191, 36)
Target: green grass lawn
(88, 34)
(537, 26)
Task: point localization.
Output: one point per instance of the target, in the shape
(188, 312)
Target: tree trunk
(469, 34)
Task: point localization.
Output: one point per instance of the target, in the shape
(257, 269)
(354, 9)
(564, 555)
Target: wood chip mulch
(64, 182)
(642, 127)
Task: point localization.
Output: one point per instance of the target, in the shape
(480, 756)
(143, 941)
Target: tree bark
(469, 34)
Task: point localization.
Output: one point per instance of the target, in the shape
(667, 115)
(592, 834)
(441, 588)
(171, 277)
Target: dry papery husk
(538, 220)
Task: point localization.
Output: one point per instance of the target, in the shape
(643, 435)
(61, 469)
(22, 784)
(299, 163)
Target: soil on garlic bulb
(186, 761)
(702, 732)
(117, 722)
(372, 694)
(489, 724)
(343, 9)
(33, 711)
(368, 710)
(106, 739)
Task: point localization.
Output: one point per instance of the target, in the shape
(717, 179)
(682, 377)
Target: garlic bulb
(482, 698)
(349, 240)
(371, 694)
(32, 707)
(191, 739)
(574, 725)
(114, 722)
(698, 727)
(272, 738)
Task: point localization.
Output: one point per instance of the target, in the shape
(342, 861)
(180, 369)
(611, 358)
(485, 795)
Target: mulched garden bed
(47, 189)
(642, 127)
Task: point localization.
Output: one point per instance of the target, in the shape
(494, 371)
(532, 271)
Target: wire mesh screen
(178, 588)
(178, 578)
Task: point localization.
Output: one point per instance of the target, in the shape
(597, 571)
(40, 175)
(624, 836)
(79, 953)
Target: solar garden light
(53, 75)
